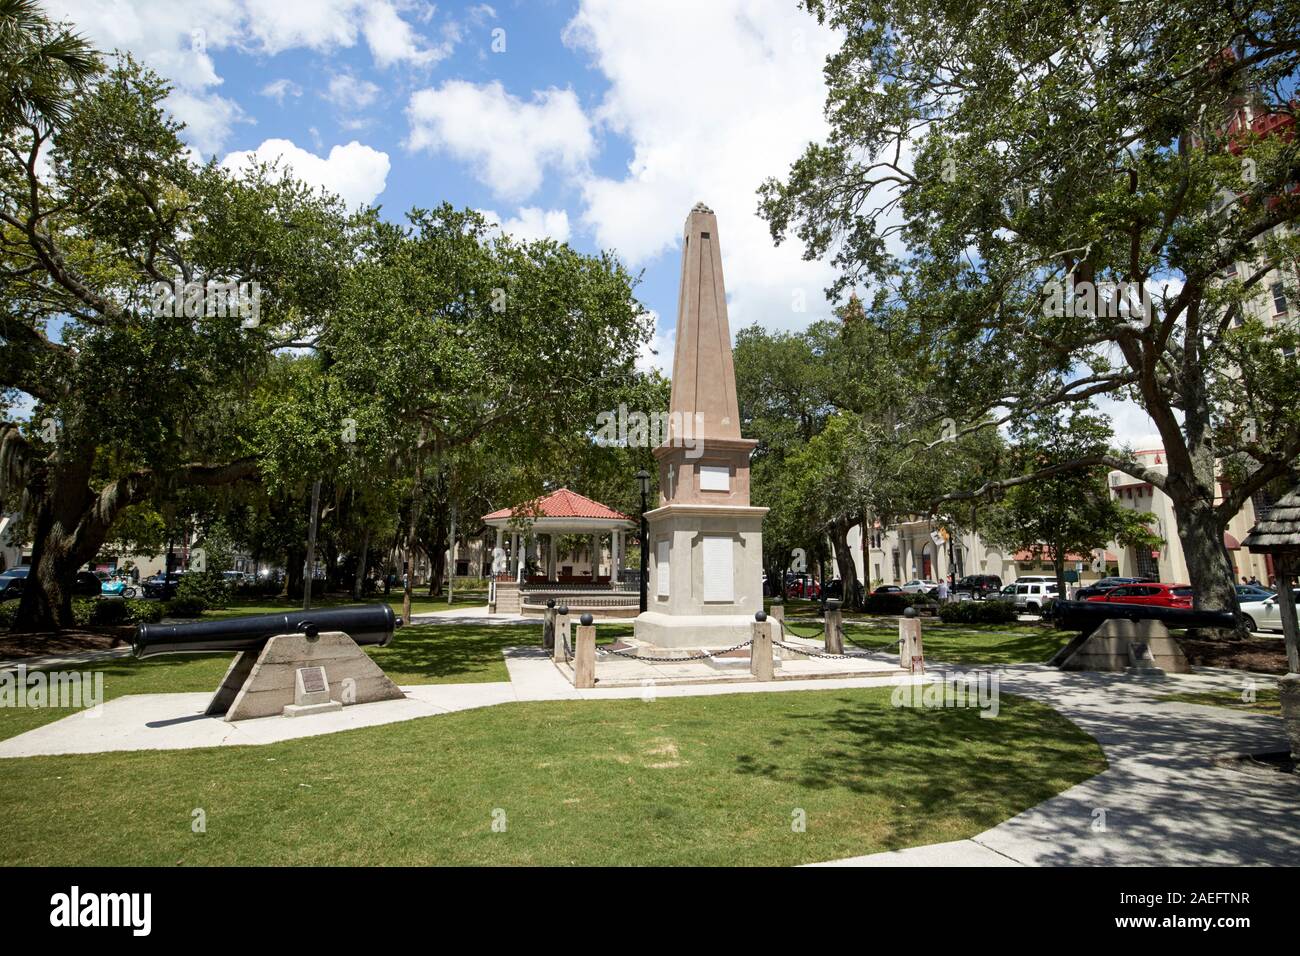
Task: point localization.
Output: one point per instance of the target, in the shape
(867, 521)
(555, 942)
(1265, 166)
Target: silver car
(1266, 614)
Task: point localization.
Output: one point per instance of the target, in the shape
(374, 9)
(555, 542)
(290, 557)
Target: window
(661, 568)
(719, 570)
(715, 478)
(1279, 298)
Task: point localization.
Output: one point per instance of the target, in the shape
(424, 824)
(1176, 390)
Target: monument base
(1145, 646)
(265, 683)
(692, 630)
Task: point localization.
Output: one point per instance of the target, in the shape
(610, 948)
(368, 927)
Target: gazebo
(1278, 535)
(519, 534)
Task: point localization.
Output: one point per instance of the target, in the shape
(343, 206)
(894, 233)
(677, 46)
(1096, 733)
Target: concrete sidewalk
(1168, 796)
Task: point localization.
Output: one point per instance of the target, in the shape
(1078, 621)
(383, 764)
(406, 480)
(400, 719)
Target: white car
(919, 587)
(1265, 615)
(1032, 596)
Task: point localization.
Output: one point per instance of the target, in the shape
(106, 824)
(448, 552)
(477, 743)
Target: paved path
(1166, 799)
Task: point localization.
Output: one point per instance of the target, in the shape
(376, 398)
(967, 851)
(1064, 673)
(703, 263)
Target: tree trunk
(65, 536)
(839, 534)
(1200, 531)
(358, 582)
(293, 570)
(1058, 566)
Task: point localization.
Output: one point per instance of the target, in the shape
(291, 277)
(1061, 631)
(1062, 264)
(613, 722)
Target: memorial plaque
(313, 680)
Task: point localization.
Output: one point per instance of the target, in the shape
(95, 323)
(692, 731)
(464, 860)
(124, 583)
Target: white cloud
(532, 223)
(355, 172)
(349, 93)
(658, 352)
(177, 40)
(510, 142)
(208, 119)
(279, 89)
(746, 97)
(392, 40)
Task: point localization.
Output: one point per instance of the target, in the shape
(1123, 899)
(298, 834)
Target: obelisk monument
(706, 540)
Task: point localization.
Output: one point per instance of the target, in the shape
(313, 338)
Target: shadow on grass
(941, 761)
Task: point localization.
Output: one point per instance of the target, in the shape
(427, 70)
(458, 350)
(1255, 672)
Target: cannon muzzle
(1087, 616)
(366, 624)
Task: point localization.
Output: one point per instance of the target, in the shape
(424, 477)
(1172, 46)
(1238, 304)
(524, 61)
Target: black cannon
(366, 624)
(1086, 616)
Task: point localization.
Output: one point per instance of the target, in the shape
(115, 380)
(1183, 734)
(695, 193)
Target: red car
(1160, 595)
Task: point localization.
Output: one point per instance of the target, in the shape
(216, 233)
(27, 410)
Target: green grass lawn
(1266, 699)
(985, 644)
(703, 780)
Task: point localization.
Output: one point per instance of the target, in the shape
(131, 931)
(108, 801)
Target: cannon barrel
(1087, 616)
(367, 624)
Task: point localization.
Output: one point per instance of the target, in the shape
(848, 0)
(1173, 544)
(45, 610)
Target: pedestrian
(943, 590)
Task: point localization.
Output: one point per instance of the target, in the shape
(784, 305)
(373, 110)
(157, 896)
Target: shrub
(207, 587)
(185, 607)
(978, 612)
(8, 611)
(145, 612)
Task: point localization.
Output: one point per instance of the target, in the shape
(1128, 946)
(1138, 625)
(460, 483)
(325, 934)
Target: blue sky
(593, 121)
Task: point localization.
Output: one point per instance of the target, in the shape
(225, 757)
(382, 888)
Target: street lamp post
(643, 479)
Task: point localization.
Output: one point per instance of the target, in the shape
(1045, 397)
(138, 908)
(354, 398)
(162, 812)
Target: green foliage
(977, 612)
(191, 606)
(1051, 150)
(206, 589)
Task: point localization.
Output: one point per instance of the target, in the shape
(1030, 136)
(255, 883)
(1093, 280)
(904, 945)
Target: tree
(1075, 200)
(42, 64)
(1071, 512)
(139, 392)
(459, 338)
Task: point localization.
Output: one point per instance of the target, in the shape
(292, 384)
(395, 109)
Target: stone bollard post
(558, 654)
(584, 655)
(760, 652)
(911, 655)
(548, 625)
(834, 640)
(776, 614)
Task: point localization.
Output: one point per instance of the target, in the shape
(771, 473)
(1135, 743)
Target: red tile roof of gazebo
(562, 503)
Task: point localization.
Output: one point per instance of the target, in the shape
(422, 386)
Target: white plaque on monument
(661, 568)
(715, 478)
(719, 569)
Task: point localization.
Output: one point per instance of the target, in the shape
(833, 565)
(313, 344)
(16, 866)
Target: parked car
(1148, 593)
(12, 581)
(87, 584)
(1033, 595)
(920, 586)
(887, 589)
(979, 585)
(161, 587)
(1008, 592)
(1102, 586)
(802, 586)
(1249, 593)
(834, 590)
(1264, 615)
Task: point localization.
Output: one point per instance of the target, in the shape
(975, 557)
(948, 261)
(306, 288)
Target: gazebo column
(595, 556)
(615, 556)
(517, 564)
(552, 566)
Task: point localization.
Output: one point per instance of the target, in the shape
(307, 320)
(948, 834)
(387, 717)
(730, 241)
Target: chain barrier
(672, 660)
(844, 634)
